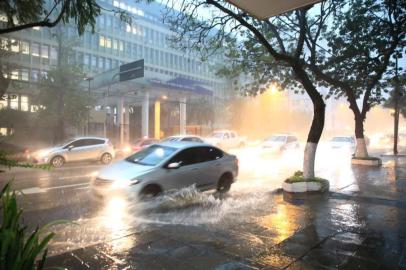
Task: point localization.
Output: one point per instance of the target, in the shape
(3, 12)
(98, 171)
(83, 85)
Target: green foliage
(390, 102)
(5, 161)
(298, 177)
(26, 14)
(19, 249)
(62, 87)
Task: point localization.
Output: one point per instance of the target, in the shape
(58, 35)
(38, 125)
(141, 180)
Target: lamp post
(88, 79)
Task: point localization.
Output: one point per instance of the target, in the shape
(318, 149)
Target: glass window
(186, 157)
(44, 51)
(101, 62)
(35, 49)
(3, 101)
(25, 47)
(115, 44)
(34, 75)
(86, 60)
(24, 103)
(15, 46)
(14, 75)
(152, 155)
(121, 45)
(13, 102)
(108, 63)
(24, 74)
(94, 61)
(102, 41)
(54, 53)
(108, 43)
(108, 21)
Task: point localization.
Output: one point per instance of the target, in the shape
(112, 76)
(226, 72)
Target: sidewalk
(353, 228)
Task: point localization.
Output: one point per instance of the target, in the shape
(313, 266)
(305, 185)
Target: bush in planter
(18, 249)
(298, 177)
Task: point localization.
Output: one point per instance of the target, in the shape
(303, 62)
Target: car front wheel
(57, 161)
(106, 158)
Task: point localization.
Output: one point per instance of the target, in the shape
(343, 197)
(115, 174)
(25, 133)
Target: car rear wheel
(150, 191)
(106, 158)
(224, 184)
(57, 161)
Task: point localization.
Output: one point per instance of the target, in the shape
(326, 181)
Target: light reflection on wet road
(64, 194)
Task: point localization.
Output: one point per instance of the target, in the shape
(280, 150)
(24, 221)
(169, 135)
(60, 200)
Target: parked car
(183, 138)
(343, 143)
(168, 166)
(279, 143)
(79, 149)
(14, 151)
(138, 145)
(226, 139)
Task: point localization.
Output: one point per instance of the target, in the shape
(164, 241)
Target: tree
(366, 34)
(42, 13)
(74, 107)
(268, 51)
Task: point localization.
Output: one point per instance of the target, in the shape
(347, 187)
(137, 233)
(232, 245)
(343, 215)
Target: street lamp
(89, 79)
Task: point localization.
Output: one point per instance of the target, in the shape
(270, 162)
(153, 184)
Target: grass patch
(298, 177)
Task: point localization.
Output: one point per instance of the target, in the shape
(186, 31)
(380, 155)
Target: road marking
(36, 190)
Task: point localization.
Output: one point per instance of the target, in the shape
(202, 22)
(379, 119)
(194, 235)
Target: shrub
(19, 250)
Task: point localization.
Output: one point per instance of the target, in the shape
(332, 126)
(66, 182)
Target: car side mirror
(70, 147)
(173, 165)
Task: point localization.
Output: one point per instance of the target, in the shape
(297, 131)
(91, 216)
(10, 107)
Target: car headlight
(42, 153)
(124, 183)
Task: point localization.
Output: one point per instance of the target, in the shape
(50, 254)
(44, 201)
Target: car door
(94, 149)
(210, 167)
(76, 150)
(187, 174)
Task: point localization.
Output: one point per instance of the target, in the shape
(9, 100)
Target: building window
(14, 75)
(101, 62)
(102, 41)
(34, 75)
(15, 46)
(108, 43)
(115, 44)
(35, 49)
(45, 51)
(25, 47)
(24, 103)
(3, 102)
(14, 103)
(86, 60)
(24, 74)
(121, 46)
(94, 61)
(54, 53)
(108, 63)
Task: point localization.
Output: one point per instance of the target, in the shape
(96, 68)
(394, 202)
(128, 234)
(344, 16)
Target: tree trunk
(361, 146)
(317, 126)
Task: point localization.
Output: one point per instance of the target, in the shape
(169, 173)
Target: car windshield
(341, 139)
(217, 135)
(66, 142)
(276, 139)
(152, 155)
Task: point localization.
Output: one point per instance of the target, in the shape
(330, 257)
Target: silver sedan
(168, 166)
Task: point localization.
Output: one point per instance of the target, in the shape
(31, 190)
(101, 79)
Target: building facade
(34, 52)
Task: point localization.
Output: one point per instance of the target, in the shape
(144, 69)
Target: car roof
(183, 144)
(183, 136)
(97, 138)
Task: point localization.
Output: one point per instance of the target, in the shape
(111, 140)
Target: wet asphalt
(360, 224)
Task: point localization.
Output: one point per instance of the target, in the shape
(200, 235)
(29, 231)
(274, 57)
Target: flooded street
(245, 223)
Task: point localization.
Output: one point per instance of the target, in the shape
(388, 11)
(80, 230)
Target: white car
(280, 142)
(168, 166)
(343, 143)
(183, 138)
(79, 149)
(226, 139)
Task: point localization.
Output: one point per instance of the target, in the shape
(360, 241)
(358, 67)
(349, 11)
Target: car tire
(150, 191)
(224, 183)
(106, 158)
(57, 161)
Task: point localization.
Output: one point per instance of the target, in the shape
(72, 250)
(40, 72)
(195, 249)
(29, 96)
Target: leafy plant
(18, 249)
(5, 161)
